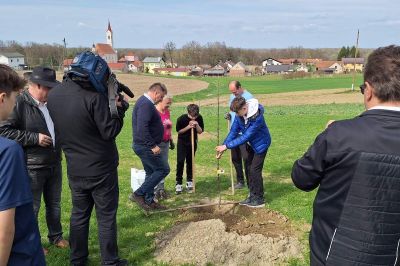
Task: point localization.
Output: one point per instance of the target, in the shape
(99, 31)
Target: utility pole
(64, 53)
(354, 62)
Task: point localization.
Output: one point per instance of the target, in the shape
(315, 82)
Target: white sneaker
(178, 189)
(189, 187)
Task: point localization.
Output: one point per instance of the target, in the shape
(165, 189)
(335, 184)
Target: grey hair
(383, 73)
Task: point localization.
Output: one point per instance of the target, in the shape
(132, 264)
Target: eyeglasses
(362, 88)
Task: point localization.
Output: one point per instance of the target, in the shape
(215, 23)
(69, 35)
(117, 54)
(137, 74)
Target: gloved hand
(227, 116)
(171, 145)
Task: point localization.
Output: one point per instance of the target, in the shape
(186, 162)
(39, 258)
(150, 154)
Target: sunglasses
(362, 88)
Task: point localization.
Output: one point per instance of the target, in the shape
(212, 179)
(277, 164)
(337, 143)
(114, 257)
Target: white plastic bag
(137, 178)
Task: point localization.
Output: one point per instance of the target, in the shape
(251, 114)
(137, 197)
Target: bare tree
(191, 53)
(170, 48)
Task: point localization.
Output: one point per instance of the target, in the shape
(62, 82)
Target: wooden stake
(230, 161)
(193, 164)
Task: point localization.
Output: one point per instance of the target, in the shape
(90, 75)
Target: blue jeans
(156, 170)
(164, 146)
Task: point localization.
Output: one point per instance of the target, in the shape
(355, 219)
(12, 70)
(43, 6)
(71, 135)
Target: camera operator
(87, 132)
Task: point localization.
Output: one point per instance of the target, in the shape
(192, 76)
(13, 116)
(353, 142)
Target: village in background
(192, 59)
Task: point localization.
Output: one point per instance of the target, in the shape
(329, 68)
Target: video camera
(91, 68)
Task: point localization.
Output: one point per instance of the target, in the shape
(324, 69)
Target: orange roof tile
(103, 48)
(324, 64)
(117, 66)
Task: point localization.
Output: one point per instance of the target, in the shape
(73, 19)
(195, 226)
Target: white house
(270, 62)
(14, 60)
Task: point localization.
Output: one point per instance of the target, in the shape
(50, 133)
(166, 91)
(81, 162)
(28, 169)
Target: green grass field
(271, 84)
(293, 129)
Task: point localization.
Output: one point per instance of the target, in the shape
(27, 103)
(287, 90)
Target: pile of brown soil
(229, 235)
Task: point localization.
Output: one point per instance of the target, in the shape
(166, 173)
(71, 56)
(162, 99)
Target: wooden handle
(193, 164)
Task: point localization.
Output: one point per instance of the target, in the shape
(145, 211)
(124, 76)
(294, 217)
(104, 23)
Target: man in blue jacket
(250, 128)
(355, 164)
(148, 133)
(19, 232)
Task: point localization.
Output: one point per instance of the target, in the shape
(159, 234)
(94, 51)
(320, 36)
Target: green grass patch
(270, 84)
(293, 129)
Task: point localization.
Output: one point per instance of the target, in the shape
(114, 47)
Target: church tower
(109, 35)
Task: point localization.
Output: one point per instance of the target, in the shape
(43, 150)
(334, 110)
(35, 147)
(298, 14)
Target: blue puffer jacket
(255, 132)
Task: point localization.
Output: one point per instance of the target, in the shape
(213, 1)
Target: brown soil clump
(229, 235)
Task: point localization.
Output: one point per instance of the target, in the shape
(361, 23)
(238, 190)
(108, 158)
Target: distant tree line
(191, 53)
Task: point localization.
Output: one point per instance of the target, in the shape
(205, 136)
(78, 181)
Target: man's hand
(220, 150)
(227, 116)
(44, 140)
(171, 145)
(156, 150)
(193, 124)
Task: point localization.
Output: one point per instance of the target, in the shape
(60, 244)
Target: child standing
(184, 125)
(249, 128)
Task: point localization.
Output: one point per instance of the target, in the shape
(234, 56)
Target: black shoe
(139, 200)
(122, 262)
(239, 186)
(245, 202)
(257, 203)
(119, 262)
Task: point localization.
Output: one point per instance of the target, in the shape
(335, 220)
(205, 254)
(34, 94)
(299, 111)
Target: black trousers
(102, 192)
(184, 152)
(256, 185)
(48, 182)
(240, 157)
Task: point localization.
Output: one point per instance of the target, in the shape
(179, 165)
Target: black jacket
(84, 128)
(24, 125)
(356, 214)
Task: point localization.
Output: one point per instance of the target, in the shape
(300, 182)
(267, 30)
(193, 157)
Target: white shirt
(390, 108)
(148, 97)
(47, 118)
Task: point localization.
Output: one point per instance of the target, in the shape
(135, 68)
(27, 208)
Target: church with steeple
(106, 50)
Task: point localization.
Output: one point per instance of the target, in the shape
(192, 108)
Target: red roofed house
(133, 62)
(329, 67)
(118, 67)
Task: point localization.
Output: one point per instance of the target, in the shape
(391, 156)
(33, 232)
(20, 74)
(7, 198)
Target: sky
(241, 24)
